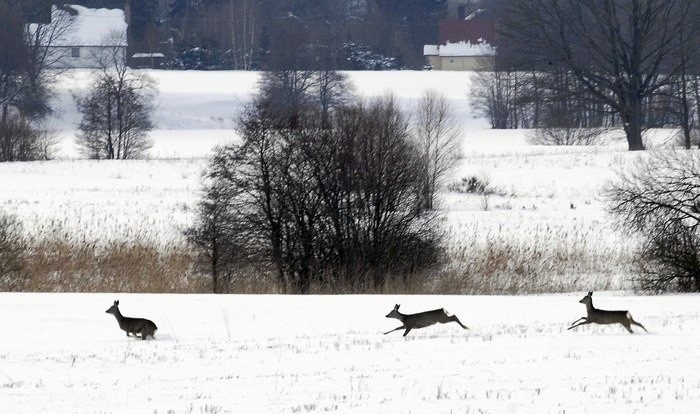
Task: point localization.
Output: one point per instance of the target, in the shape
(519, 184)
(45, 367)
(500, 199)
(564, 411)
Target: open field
(117, 226)
(287, 354)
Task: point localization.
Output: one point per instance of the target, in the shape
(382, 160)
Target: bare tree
(218, 233)
(658, 201)
(288, 95)
(24, 84)
(333, 206)
(500, 96)
(285, 95)
(243, 32)
(12, 57)
(116, 112)
(622, 51)
(43, 61)
(333, 90)
(437, 134)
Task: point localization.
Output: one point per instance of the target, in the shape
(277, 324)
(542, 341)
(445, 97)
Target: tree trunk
(4, 136)
(632, 121)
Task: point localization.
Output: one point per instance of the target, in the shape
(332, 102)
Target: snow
(148, 55)
(282, 354)
(461, 48)
(90, 27)
(431, 50)
(95, 26)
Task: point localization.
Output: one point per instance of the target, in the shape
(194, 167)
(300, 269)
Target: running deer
(604, 317)
(421, 320)
(134, 326)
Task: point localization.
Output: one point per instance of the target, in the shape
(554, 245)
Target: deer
(421, 320)
(604, 317)
(140, 326)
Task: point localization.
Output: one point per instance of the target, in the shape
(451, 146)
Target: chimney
(127, 13)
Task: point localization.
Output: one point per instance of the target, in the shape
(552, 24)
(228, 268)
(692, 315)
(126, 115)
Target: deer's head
(114, 308)
(588, 299)
(394, 313)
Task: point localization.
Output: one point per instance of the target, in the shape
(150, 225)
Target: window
(452, 61)
(75, 52)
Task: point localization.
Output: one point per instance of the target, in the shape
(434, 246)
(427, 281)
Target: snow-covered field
(299, 354)
(251, 354)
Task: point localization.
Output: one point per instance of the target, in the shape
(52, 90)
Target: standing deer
(134, 326)
(604, 317)
(421, 320)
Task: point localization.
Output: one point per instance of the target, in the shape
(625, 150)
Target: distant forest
(269, 34)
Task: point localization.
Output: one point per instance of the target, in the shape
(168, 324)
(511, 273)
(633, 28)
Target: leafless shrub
(473, 185)
(21, 139)
(659, 201)
(566, 136)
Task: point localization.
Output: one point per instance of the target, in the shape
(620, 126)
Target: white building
(92, 36)
(461, 56)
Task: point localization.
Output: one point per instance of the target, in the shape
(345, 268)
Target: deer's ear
(396, 307)
(590, 294)
(116, 302)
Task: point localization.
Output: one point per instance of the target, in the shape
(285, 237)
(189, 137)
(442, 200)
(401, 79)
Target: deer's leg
(407, 331)
(454, 318)
(585, 322)
(626, 324)
(579, 319)
(633, 322)
(400, 327)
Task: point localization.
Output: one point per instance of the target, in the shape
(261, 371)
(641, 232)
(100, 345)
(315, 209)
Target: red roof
(467, 30)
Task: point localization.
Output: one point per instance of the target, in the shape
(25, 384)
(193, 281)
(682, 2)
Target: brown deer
(604, 317)
(140, 326)
(421, 320)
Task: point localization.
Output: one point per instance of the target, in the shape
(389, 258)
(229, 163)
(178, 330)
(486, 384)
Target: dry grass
(512, 267)
(500, 266)
(58, 266)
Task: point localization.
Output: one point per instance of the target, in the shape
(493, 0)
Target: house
(462, 55)
(91, 37)
(467, 44)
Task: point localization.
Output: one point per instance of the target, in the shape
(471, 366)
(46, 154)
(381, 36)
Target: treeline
(261, 34)
(25, 84)
(565, 64)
